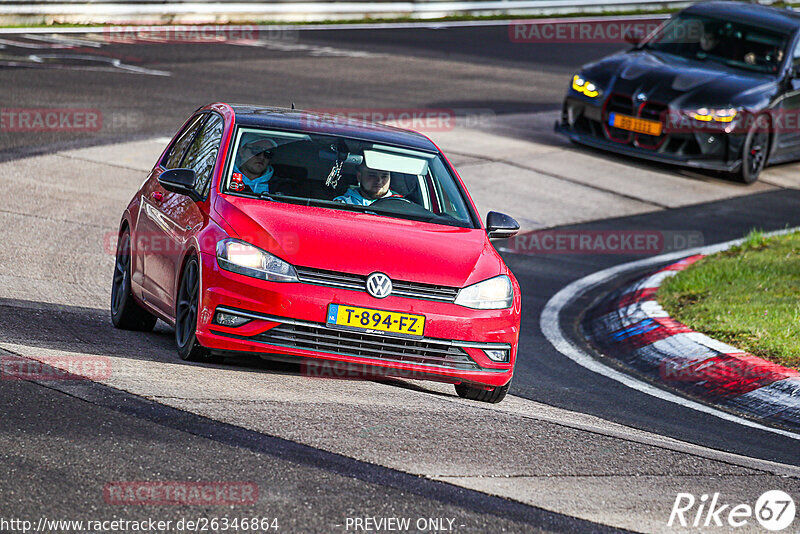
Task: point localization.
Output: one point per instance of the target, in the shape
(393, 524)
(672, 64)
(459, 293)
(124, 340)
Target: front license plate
(635, 124)
(375, 321)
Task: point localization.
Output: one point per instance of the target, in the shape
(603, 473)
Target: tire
(755, 152)
(126, 314)
(189, 349)
(493, 395)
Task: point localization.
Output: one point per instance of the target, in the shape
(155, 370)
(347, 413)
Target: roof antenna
(292, 105)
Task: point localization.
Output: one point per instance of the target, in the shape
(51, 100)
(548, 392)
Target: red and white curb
(551, 326)
(629, 325)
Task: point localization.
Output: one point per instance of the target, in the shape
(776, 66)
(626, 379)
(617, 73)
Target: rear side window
(176, 153)
(202, 154)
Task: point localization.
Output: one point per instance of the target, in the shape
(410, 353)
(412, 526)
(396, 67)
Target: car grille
(320, 338)
(623, 105)
(653, 112)
(357, 282)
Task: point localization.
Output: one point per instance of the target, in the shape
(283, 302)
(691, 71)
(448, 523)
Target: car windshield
(347, 174)
(735, 44)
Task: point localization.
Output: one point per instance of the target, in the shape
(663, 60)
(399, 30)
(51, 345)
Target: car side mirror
(181, 181)
(500, 225)
(633, 38)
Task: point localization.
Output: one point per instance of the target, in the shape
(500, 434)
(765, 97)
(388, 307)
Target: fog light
(497, 355)
(230, 320)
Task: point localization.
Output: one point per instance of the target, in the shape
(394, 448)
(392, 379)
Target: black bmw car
(717, 86)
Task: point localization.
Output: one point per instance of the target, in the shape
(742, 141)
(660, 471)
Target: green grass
(748, 296)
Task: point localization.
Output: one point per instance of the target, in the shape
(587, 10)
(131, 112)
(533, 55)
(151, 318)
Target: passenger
(372, 185)
(253, 170)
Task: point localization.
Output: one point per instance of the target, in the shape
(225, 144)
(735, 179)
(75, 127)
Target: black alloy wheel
(189, 348)
(126, 313)
(755, 152)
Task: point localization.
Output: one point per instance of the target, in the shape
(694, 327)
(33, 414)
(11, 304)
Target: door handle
(158, 196)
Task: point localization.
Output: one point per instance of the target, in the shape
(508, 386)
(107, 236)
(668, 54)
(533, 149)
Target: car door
(787, 125)
(153, 229)
(181, 216)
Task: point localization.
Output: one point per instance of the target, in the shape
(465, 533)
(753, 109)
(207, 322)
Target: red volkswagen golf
(291, 235)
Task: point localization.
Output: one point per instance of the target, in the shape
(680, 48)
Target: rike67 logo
(774, 510)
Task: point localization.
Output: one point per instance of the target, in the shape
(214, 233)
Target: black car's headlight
(492, 294)
(716, 115)
(243, 258)
(585, 87)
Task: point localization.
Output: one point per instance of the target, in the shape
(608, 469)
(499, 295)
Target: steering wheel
(389, 201)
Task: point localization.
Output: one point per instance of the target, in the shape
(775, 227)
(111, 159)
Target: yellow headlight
(701, 114)
(584, 86)
(724, 115)
(718, 115)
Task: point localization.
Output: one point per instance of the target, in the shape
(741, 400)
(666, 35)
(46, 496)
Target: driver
(372, 185)
(709, 40)
(253, 170)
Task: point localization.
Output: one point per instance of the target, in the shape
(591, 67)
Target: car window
(344, 173)
(736, 44)
(796, 55)
(202, 154)
(176, 153)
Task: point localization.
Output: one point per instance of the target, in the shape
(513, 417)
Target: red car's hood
(360, 243)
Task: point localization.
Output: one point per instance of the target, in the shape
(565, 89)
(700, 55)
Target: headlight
(492, 294)
(240, 257)
(584, 86)
(718, 115)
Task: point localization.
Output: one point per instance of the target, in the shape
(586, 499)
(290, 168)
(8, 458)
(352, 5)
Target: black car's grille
(623, 105)
(358, 283)
(620, 104)
(653, 112)
(320, 338)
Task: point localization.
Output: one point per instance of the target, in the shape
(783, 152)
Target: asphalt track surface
(461, 68)
(464, 69)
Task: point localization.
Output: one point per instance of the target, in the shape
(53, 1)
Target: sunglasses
(256, 152)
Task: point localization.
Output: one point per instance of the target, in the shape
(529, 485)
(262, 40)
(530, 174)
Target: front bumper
(585, 123)
(287, 321)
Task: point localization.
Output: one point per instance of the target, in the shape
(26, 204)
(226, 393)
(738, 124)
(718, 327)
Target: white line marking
(655, 280)
(550, 325)
(712, 344)
(103, 63)
(653, 309)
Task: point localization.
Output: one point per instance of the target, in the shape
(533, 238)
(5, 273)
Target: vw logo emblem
(641, 97)
(379, 285)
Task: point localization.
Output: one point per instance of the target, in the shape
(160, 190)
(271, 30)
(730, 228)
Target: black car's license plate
(635, 124)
